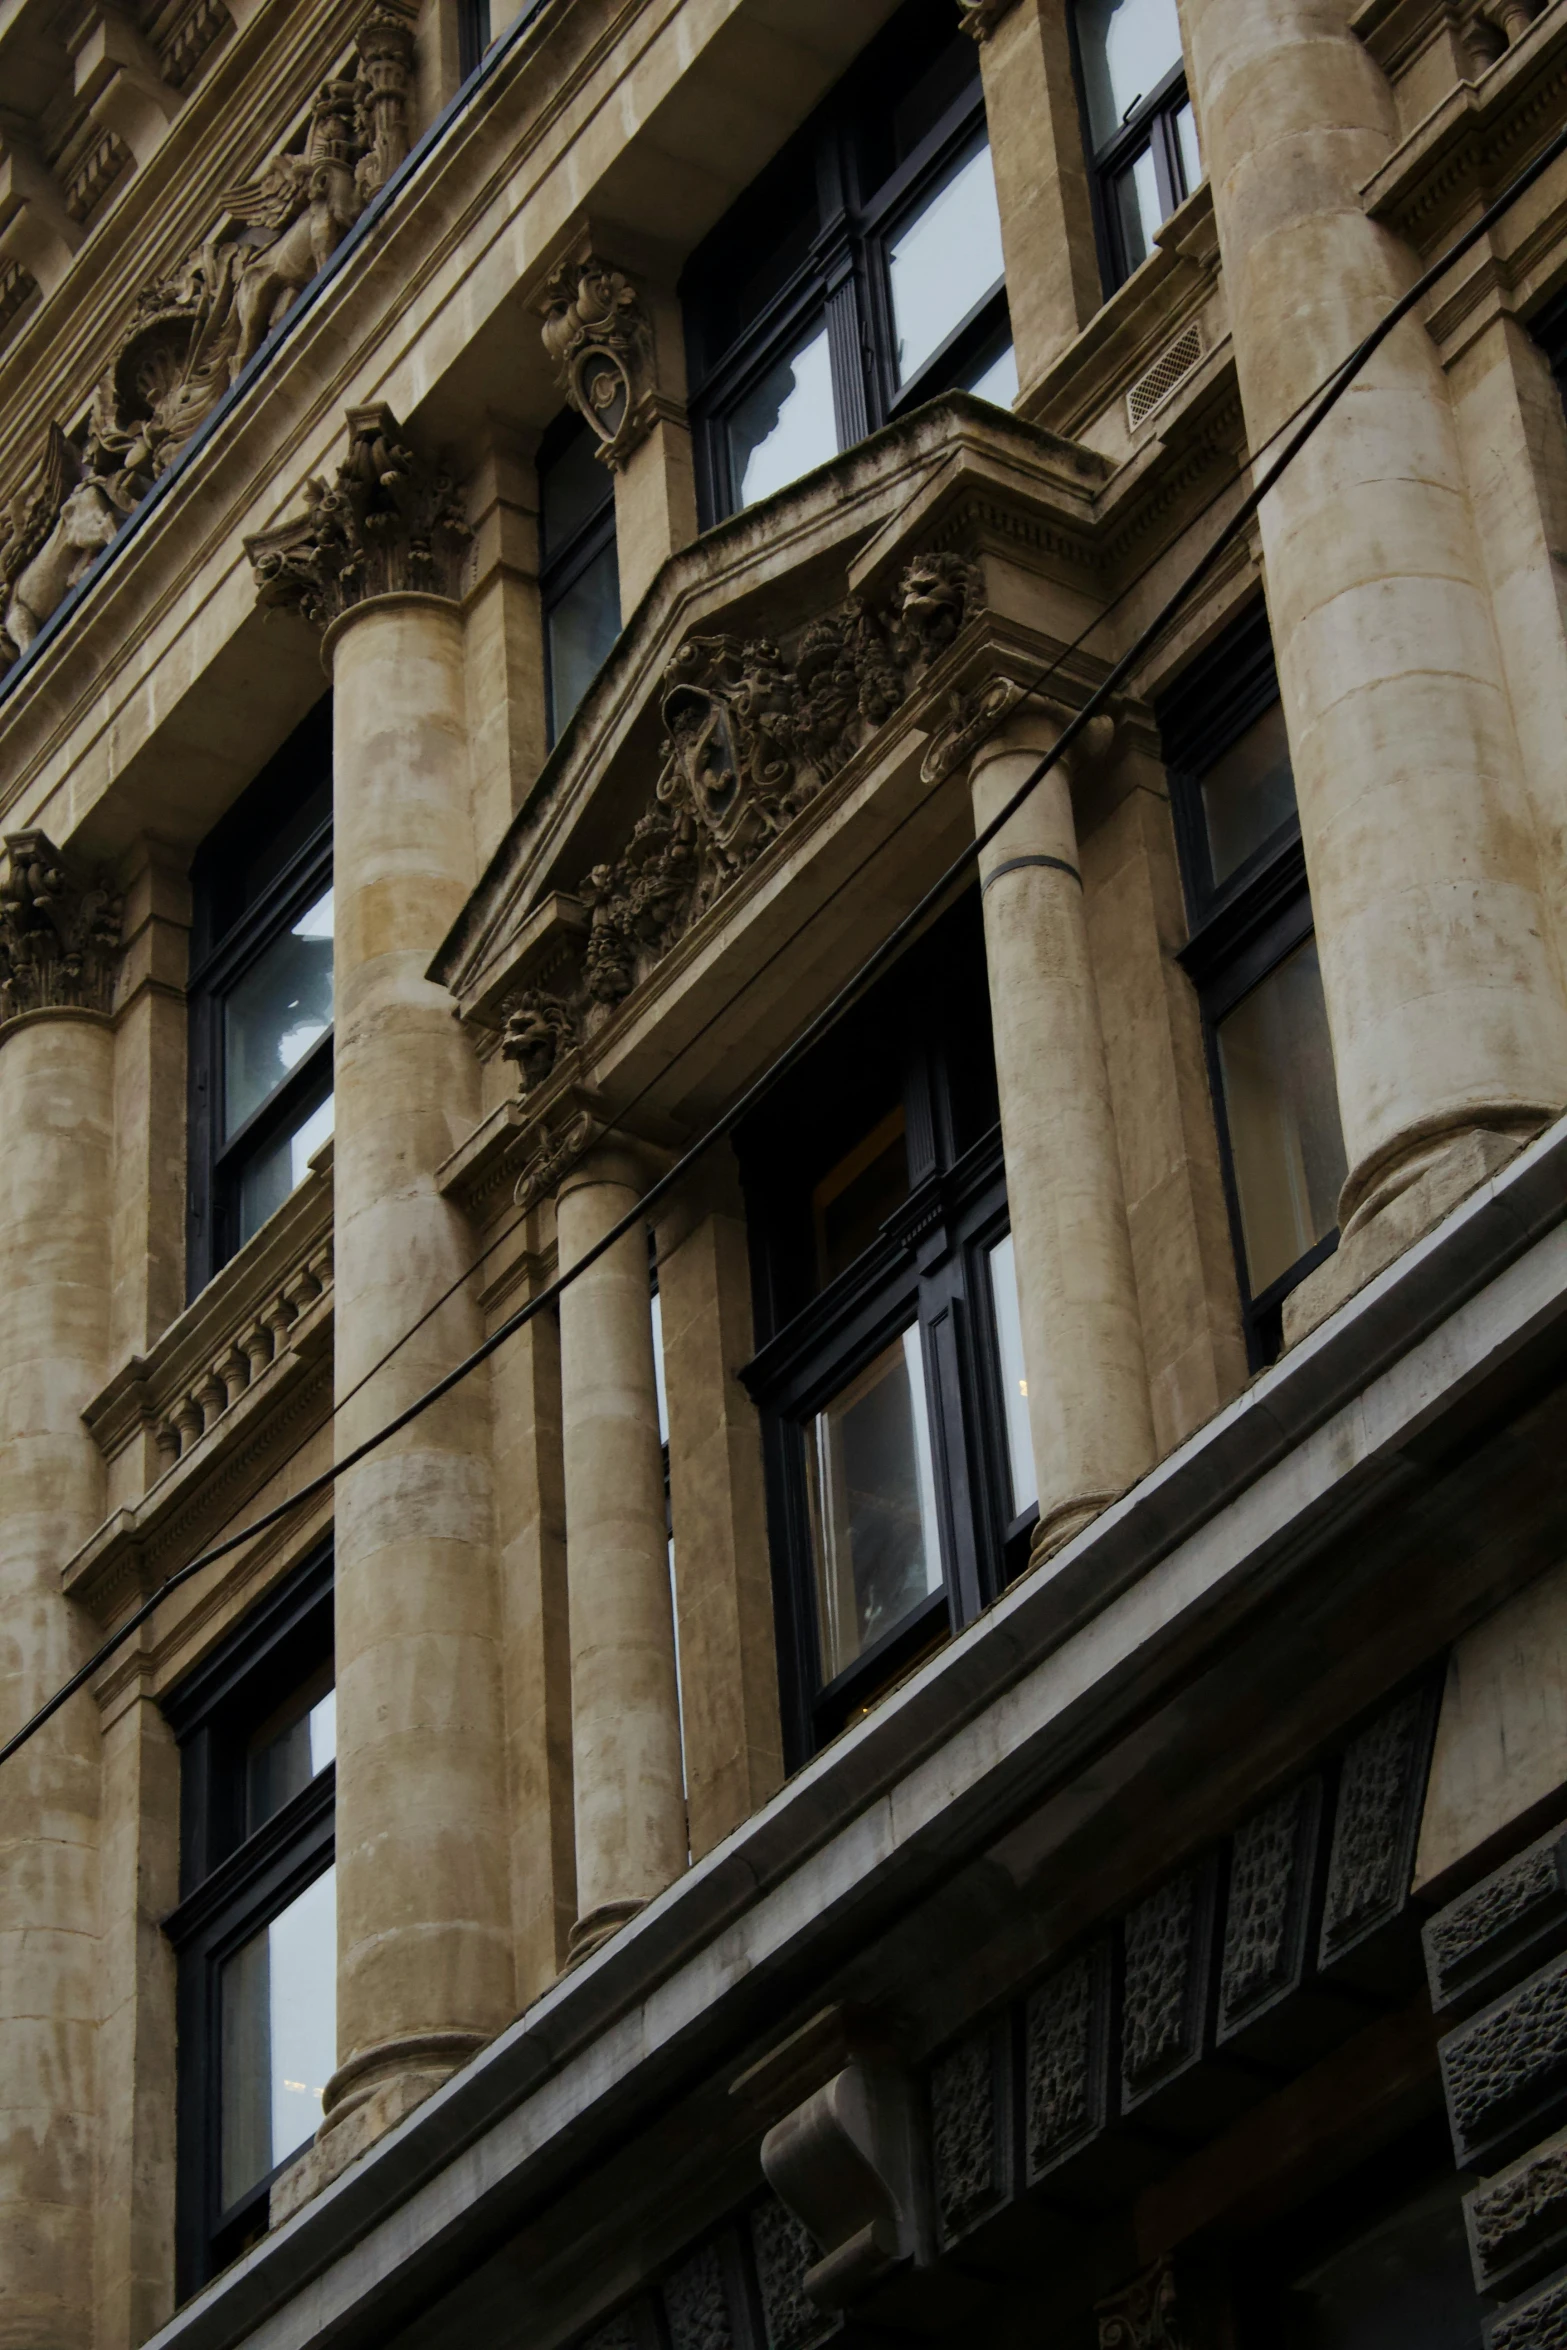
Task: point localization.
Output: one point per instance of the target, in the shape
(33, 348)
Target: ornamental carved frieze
(388, 523)
(192, 332)
(59, 932)
(597, 333)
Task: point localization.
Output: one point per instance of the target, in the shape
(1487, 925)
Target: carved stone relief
(1145, 2316)
(59, 932)
(981, 17)
(193, 331)
(783, 2249)
(597, 333)
(1381, 1789)
(968, 2151)
(1066, 2034)
(388, 522)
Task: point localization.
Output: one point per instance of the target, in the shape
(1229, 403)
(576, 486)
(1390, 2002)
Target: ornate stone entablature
(387, 524)
(597, 333)
(59, 932)
(193, 332)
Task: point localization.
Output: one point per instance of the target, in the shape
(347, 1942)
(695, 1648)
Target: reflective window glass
(944, 259)
(1186, 143)
(996, 378)
(278, 2031)
(279, 1167)
(281, 1007)
(292, 1747)
(1127, 47)
(873, 1504)
(584, 622)
(1249, 793)
(1286, 1144)
(785, 424)
(572, 490)
(1139, 212)
(1014, 1377)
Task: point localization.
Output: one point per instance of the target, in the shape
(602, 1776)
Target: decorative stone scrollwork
(550, 1160)
(597, 333)
(59, 932)
(1146, 2316)
(389, 523)
(974, 716)
(193, 332)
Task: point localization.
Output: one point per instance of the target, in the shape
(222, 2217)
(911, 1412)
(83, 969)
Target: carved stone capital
(59, 932)
(979, 18)
(1145, 2315)
(388, 524)
(597, 332)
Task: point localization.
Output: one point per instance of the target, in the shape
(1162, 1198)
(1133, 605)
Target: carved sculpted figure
(69, 518)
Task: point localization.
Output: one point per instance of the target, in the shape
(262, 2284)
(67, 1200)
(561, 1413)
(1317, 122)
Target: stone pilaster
(1036, 150)
(58, 937)
(1088, 1403)
(625, 1707)
(1449, 1028)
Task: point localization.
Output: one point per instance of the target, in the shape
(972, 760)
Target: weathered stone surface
(1506, 2071)
(968, 2152)
(1067, 2059)
(1504, 1926)
(1267, 1904)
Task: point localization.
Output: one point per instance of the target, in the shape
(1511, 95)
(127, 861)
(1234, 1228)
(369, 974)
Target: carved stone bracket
(597, 332)
(59, 932)
(387, 524)
(845, 2163)
(981, 17)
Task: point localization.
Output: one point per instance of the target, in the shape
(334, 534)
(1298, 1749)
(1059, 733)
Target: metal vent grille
(1167, 373)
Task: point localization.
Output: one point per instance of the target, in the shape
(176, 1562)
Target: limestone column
(1088, 1404)
(425, 1967)
(625, 1706)
(1448, 1026)
(57, 953)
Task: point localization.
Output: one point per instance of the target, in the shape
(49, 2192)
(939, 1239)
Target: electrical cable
(853, 988)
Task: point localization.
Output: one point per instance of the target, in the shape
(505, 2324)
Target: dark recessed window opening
(860, 275)
(579, 575)
(255, 1933)
(1141, 132)
(261, 999)
(889, 1370)
(473, 34)
(1253, 956)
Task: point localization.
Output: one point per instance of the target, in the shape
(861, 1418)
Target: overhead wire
(1320, 405)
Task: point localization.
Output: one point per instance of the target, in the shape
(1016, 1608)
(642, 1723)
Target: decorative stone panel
(970, 2131)
(1167, 1947)
(1268, 1907)
(1540, 2324)
(783, 2249)
(1067, 2062)
(1518, 2221)
(706, 2305)
(1506, 2070)
(1509, 1924)
(1381, 1789)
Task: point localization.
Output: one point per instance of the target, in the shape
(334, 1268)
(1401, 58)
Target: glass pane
(944, 259)
(1276, 1060)
(1014, 1377)
(873, 1504)
(1249, 792)
(275, 1013)
(279, 1167)
(1186, 141)
(856, 1196)
(291, 1747)
(996, 379)
(278, 1999)
(1128, 46)
(1405, 2285)
(572, 490)
(658, 1368)
(583, 625)
(1135, 195)
(785, 425)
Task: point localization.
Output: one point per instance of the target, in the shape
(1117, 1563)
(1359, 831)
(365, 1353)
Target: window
(261, 999)
(860, 275)
(579, 576)
(1253, 957)
(889, 1374)
(255, 1933)
(473, 34)
(1141, 131)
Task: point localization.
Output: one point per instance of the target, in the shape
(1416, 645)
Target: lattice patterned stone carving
(1506, 2071)
(1166, 1941)
(696, 2303)
(1066, 2039)
(966, 2121)
(1266, 1914)
(1540, 2324)
(1514, 2217)
(783, 2249)
(1504, 1927)
(1381, 1788)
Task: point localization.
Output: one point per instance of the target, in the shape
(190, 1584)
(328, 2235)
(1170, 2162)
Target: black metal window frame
(1151, 124)
(232, 1885)
(563, 566)
(230, 929)
(928, 1266)
(841, 276)
(1243, 927)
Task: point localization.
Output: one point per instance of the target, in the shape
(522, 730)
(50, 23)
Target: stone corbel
(59, 932)
(37, 231)
(597, 332)
(119, 77)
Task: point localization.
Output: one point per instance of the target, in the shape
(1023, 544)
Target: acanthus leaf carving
(59, 932)
(597, 333)
(388, 523)
(194, 330)
(1145, 2316)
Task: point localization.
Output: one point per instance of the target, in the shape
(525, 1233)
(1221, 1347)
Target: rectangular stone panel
(1369, 1940)
(1272, 2009)
(707, 2299)
(1500, 1930)
(1517, 2221)
(782, 2249)
(971, 2132)
(1537, 2324)
(1505, 2072)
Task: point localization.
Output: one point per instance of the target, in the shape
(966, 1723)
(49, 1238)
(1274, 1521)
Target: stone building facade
(828, 1680)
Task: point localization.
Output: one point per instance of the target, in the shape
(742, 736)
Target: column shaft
(1088, 1403)
(630, 1805)
(1445, 1013)
(424, 1938)
(56, 1135)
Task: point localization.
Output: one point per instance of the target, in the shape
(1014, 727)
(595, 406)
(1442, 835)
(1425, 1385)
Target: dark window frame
(842, 278)
(929, 1265)
(1242, 928)
(225, 942)
(1150, 123)
(564, 566)
(232, 1884)
(473, 35)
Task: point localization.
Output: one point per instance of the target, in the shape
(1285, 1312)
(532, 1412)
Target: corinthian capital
(387, 524)
(59, 932)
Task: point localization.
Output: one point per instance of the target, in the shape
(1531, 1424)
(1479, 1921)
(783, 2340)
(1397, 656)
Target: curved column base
(1066, 1519)
(596, 1926)
(364, 2099)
